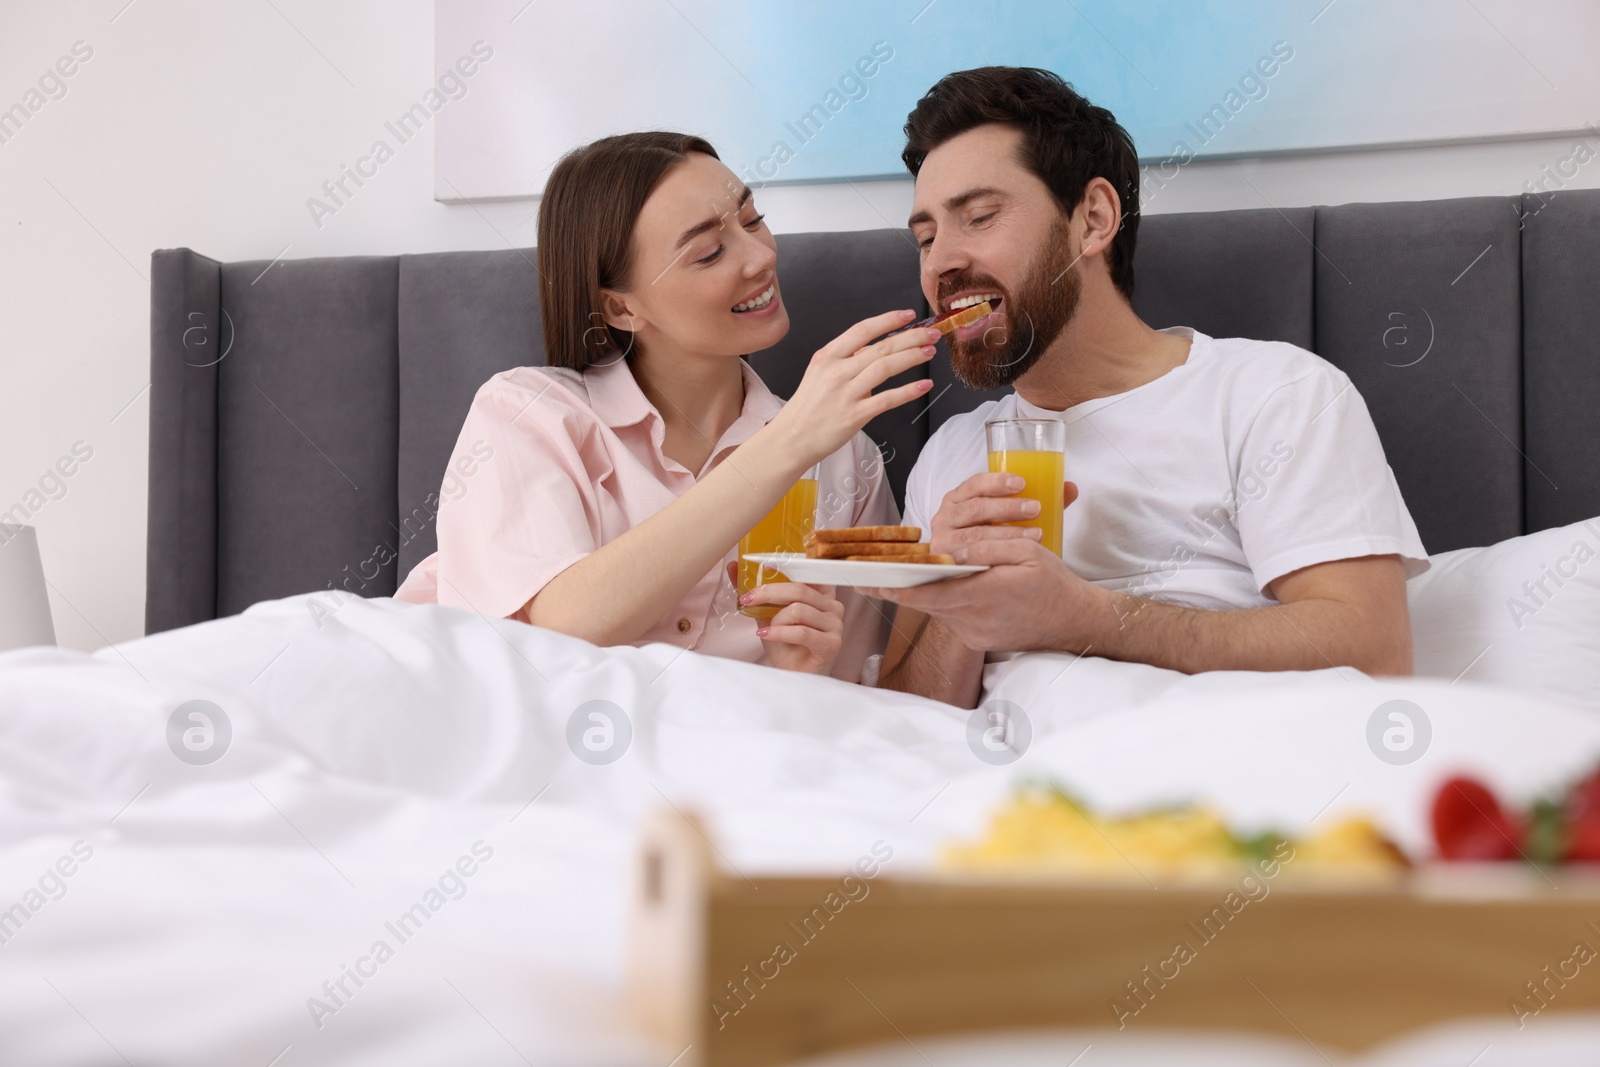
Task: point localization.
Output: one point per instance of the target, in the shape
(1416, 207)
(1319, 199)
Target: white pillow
(1523, 613)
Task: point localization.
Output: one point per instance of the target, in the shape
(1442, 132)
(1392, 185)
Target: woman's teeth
(759, 302)
(976, 298)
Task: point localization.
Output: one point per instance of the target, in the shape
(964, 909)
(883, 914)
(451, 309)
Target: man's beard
(1034, 317)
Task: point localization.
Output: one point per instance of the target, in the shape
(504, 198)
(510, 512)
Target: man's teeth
(759, 302)
(972, 301)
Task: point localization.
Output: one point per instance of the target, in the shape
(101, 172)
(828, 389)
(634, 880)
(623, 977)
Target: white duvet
(401, 776)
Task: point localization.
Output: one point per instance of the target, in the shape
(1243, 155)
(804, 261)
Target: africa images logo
(199, 732)
(1399, 732)
(599, 732)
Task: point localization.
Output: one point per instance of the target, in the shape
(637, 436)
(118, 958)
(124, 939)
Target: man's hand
(1020, 603)
(942, 656)
(969, 512)
(1028, 599)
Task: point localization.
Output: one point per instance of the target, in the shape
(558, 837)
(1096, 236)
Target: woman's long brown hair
(586, 220)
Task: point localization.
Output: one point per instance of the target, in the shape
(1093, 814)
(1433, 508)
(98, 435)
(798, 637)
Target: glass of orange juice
(1035, 449)
(783, 530)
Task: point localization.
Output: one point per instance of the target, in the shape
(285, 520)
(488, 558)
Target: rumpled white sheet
(374, 747)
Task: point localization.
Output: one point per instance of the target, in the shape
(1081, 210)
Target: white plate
(797, 567)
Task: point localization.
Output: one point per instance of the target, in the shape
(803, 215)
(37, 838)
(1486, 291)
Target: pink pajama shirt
(552, 463)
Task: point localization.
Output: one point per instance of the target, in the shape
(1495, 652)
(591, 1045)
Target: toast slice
(845, 549)
(860, 534)
(950, 323)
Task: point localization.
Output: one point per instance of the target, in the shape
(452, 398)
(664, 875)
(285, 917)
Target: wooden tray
(1342, 966)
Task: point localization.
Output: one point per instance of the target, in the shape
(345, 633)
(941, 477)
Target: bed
(302, 823)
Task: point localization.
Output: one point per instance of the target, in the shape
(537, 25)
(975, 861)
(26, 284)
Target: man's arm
(1349, 612)
(1343, 613)
(925, 658)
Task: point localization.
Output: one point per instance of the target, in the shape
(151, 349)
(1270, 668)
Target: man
(1231, 506)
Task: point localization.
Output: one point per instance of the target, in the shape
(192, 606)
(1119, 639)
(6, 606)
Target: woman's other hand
(808, 630)
(835, 399)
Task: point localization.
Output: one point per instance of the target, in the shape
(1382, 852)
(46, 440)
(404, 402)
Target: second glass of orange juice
(784, 529)
(1035, 449)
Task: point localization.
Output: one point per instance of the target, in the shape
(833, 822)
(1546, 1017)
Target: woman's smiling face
(704, 273)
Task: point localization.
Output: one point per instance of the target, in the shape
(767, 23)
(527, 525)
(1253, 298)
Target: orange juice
(1042, 474)
(783, 530)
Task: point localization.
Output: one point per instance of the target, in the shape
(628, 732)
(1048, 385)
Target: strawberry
(1583, 842)
(1469, 824)
(1582, 811)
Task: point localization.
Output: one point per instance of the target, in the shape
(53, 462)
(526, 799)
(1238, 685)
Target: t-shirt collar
(1197, 342)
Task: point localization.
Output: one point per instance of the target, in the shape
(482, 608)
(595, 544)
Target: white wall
(1437, 173)
(208, 125)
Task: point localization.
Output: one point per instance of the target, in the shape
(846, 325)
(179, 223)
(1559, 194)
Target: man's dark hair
(1066, 141)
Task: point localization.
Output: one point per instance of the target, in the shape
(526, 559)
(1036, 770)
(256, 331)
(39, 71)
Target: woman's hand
(808, 631)
(835, 399)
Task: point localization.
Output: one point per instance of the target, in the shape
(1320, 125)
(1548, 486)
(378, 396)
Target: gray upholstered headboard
(302, 412)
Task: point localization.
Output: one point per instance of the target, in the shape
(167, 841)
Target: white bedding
(376, 747)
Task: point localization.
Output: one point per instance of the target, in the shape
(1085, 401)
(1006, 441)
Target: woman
(620, 478)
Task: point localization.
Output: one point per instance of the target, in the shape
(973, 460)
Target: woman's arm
(615, 594)
(619, 591)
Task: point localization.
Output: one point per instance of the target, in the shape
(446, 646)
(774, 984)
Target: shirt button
(684, 626)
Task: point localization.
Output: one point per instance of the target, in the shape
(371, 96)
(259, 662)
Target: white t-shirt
(1248, 461)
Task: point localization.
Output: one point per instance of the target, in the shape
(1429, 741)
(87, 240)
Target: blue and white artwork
(813, 91)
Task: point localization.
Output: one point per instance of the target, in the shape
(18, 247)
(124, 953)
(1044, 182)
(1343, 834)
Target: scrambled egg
(1351, 845)
(1044, 832)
